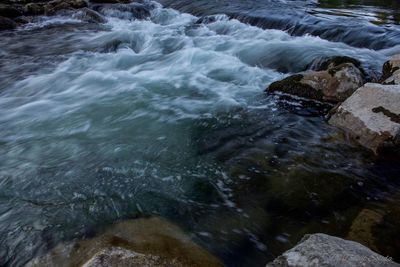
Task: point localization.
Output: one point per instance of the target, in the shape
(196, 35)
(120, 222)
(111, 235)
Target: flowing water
(161, 110)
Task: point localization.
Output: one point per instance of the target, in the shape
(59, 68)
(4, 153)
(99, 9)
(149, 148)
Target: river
(161, 111)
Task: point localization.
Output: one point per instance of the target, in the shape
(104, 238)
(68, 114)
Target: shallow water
(160, 112)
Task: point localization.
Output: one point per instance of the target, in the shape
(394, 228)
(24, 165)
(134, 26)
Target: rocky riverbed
(370, 112)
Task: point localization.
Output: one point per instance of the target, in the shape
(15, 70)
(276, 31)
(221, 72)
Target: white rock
(371, 116)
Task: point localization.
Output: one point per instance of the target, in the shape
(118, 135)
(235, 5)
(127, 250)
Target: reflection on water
(357, 23)
(159, 112)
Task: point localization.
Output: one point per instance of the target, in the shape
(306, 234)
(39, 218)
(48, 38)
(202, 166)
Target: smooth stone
(372, 117)
(152, 237)
(329, 251)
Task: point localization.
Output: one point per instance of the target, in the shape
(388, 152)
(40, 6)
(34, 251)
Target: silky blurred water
(159, 112)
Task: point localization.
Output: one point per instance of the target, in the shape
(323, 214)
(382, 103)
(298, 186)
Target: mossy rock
(292, 85)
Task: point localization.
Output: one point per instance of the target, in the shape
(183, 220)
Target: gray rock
(145, 240)
(328, 251)
(372, 116)
(335, 84)
(391, 71)
(121, 257)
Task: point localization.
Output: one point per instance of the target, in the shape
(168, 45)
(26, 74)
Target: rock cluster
(369, 113)
(17, 12)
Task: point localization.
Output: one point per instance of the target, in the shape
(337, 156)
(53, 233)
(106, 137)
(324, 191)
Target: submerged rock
(372, 116)
(361, 229)
(147, 240)
(120, 257)
(335, 80)
(329, 251)
(7, 24)
(391, 71)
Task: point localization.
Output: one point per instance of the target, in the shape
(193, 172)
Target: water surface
(162, 111)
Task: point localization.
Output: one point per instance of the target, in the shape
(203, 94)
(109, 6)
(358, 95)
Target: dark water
(160, 111)
(370, 24)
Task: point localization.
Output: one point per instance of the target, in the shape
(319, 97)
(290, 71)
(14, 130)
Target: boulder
(145, 240)
(339, 79)
(391, 71)
(329, 251)
(7, 24)
(361, 229)
(372, 117)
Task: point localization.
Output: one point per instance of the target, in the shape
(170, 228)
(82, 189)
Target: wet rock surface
(361, 229)
(325, 250)
(372, 116)
(141, 242)
(334, 80)
(120, 257)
